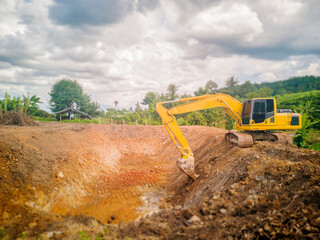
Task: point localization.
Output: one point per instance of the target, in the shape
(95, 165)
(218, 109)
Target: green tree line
(68, 93)
(297, 93)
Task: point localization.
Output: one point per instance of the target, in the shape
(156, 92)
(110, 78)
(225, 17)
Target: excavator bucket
(186, 164)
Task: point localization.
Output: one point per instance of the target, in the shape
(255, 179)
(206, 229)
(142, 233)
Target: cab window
(246, 113)
(270, 108)
(259, 111)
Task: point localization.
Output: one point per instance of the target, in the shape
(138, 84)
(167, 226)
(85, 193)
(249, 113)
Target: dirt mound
(270, 191)
(14, 118)
(73, 181)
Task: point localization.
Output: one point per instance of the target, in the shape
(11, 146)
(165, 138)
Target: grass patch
(42, 119)
(314, 136)
(96, 121)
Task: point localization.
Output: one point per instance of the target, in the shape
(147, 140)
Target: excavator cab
(262, 114)
(257, 111)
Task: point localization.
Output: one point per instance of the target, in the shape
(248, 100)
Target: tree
(306, 108)
(214, 117)
(201, 91)
(302, 134)
(19, 103)
(260, 93)
(6, 101)
(26, 103)
(195, 118)
(34, 104)
(172, 92)
(151, 100)
(67, 93)
(211, 86)
(88, 106)
(138, 108)
(1, 103)
(232, 81)
(14, 103)
(186, 95)
(116, 103)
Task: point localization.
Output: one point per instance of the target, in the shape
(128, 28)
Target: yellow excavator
(257, 119)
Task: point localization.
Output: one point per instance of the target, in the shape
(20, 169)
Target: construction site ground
(86, 181)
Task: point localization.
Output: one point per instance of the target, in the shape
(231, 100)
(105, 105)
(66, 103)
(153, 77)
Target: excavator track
(283, 138)
(242, 140)
(247, 139)
(271, 136)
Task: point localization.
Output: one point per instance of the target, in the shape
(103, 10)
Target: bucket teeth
(186, 164)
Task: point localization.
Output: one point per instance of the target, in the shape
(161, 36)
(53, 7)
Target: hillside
(291, 85)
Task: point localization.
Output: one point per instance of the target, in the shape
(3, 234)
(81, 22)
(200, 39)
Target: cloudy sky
(121, 49)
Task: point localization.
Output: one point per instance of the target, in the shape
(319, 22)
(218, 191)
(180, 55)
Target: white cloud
(311, 69)
(154, 44)
(9, 21)
(268, 77)
(225, 21)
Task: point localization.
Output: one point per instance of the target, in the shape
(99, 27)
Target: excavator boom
(232, 106)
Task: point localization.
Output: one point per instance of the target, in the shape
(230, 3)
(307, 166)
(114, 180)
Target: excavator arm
(232, 106)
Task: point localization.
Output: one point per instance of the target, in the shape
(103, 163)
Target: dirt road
(67, 181)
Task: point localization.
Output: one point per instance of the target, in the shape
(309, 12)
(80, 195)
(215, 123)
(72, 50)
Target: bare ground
(72, 181)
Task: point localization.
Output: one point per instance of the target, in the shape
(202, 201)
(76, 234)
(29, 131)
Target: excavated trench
(59, 179)
(113, 173)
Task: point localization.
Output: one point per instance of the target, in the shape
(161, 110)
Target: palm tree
(34, 101)
(116, 103)
(1, 103)
(6, 101)
(232, 81)
(26, 102)
(14, 104)
(19, 105)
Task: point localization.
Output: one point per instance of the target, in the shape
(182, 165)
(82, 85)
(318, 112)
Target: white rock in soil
(194, 219)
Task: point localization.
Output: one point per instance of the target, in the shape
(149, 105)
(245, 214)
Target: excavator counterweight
(256, 118)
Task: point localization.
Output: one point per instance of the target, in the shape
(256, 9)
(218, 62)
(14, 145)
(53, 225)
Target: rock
(60, 175)
(216, 196)
(267, 227)
(223, 210)
(248, 203)
(177, 207)
(187, 213)
(32, 225)
(194, 219)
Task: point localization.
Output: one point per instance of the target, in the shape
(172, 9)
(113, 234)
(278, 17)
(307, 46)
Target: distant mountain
(291, 85)
(294, 85)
